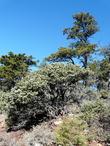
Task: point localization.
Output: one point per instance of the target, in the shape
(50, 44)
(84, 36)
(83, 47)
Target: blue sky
(35, 27)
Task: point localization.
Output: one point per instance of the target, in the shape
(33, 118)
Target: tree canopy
(84, 26)
(62, 55)
(13, 67)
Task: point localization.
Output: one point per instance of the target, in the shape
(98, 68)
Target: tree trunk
(85, 61)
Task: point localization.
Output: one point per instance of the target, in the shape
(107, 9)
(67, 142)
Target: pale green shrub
(4, 99)
(72, 132)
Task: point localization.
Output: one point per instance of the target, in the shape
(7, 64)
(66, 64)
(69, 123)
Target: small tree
(84, 27)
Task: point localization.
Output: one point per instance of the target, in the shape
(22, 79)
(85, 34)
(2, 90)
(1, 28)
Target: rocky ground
(8, 139)
(40, 134)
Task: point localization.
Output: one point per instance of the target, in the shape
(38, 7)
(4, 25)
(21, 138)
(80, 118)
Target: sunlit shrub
(72, 132)
(4, 101)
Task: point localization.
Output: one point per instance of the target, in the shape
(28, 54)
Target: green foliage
(43, 93)
(84, 27)
(92, 109)
(72, 132)
(103, 74)
(92, 123)
(82, 50)
(103, 71)
(97, 115)
(13, 67)
(62, 55)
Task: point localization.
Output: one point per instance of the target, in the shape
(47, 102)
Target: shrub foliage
(72, 132)
(43, 93)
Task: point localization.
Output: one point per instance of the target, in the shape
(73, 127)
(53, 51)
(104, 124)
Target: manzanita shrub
(43, 94)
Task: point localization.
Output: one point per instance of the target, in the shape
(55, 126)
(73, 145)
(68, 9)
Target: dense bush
(97, 115)
(72, 132)
(43, 93)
